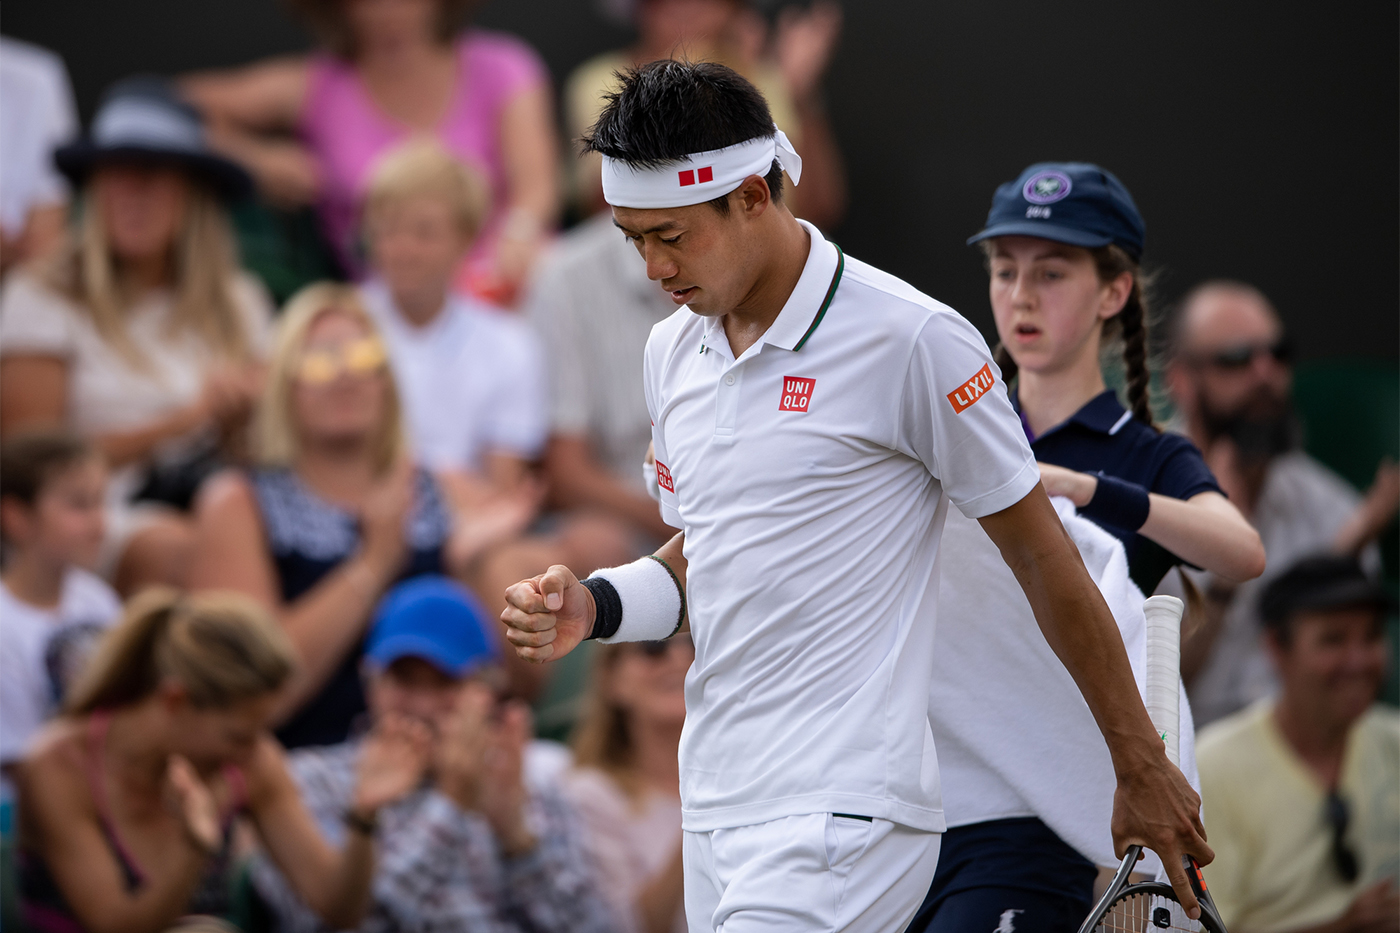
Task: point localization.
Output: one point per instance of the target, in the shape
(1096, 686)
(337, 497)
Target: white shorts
(811, 873)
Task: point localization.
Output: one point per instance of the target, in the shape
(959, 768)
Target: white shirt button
(729, 379)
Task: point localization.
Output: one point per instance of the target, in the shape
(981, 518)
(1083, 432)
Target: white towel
(1014, 736)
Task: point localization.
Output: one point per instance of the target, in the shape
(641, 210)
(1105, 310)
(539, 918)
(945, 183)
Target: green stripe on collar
(826, 302)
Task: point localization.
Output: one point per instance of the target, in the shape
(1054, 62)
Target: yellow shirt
(1265, 818)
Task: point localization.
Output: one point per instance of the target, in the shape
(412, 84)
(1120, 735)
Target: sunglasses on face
(1243, 356)
(1338, 816)
(653, 650)
(320, 365)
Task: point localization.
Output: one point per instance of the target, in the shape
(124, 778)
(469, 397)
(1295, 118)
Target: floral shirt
(438, 866)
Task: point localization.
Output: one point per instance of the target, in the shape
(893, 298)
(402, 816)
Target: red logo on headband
(689, 176)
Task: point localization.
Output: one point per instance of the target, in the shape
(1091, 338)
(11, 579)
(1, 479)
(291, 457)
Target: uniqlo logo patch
(691, 175)
(663, 477)
(797, 393)
(971, 390)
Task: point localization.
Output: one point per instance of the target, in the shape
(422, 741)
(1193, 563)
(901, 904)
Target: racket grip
(1163, 696)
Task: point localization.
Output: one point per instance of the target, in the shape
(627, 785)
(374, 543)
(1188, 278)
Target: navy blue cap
(1069, 202)
(435, 619)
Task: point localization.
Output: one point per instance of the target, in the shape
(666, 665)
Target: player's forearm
(673, 553)
(1077, 624)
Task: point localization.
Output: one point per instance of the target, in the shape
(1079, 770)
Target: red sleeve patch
(663, 477)
(971, 390)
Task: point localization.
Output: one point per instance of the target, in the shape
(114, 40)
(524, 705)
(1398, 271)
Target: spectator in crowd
(143, 335)
(1231, 382)
(335, 513)
(389, 71)
(626, 785)
(1302, 792)
(52, 608)
(127, 803)
(473, 847)
(788, 72)
(472, 377)
(472, 380)
(36, 115)
(594, 307)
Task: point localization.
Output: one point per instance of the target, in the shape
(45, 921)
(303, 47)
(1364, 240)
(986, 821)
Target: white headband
(699, 177)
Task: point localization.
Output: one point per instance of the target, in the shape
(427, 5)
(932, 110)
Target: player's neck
(1314, 738)
(33, 579)
(787, 245)
(1050, 398)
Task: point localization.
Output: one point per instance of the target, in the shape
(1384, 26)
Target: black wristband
(608, 617)
(364, 825)
(1118, 502)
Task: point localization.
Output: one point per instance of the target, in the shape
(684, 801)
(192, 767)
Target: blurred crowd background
(315, 335)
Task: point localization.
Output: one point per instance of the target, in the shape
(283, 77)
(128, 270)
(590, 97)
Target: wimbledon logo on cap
(1046, 187)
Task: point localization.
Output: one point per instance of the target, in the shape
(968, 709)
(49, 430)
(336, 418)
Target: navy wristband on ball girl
(1117, 502)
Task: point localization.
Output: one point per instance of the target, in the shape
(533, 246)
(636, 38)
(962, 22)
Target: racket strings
(1146, 913)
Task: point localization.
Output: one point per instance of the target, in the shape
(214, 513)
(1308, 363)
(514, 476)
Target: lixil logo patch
(797, 393)
(971, 390)
(663, 477)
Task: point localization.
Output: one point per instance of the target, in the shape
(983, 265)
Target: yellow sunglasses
(321, 365)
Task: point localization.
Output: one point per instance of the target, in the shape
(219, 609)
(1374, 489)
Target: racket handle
(1163, 696)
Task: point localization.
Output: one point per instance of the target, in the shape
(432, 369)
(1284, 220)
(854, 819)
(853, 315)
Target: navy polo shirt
(1104, 436)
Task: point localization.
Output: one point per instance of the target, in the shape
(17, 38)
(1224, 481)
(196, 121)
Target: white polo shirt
(811, 477)
(472, 382)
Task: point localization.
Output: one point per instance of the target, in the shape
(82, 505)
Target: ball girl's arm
(1205, 530)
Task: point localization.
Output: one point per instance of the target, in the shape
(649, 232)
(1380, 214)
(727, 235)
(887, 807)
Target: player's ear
(754, 197)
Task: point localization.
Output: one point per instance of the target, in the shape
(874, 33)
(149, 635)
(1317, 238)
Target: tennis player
(813, 419)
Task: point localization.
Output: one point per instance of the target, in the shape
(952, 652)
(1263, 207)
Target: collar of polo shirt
(698, 177)
(805, 307)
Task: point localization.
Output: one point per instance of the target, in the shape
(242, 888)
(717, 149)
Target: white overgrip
(1164, 670)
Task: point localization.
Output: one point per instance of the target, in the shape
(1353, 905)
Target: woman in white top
(143, 335)
(626, 782)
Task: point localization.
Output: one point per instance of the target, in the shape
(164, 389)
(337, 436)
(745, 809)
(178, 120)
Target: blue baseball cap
(1069, 202)
(432, 618)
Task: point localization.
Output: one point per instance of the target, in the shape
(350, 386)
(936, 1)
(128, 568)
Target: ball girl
(1063, 243)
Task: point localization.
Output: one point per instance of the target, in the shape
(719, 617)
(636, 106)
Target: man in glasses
(1302, 792)
(1231, 381)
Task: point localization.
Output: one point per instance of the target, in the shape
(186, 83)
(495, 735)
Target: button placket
(727, 403)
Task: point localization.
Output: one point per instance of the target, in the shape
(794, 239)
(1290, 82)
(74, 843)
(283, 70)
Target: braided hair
(1130, 325)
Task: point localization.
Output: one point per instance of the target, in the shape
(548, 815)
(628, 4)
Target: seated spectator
(472, 377)
(128, 802)
(143, 335)
(626, 784)
(788, 71)
(594, 308)
(37, 114)
(335, 514)
(472, 848)
(1231, 382)
(389, 72)
(52, 608)
(1302, 793)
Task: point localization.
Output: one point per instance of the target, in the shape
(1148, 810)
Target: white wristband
(651, 602)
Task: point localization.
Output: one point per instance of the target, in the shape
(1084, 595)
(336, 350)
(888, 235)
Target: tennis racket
(1149, 906)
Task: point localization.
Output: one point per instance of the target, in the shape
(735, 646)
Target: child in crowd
(52, 609)
(472, 377)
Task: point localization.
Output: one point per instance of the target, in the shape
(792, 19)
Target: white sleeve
(23, 699)
(670, 505)
(956, 418)
(519, 420)
(33, 319)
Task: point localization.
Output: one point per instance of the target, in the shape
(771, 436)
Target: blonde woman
(144, 335)
(128, 802)
(626, 782)
(334, 513)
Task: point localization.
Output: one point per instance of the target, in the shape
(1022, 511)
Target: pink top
(347, 132)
